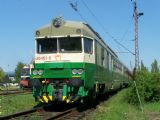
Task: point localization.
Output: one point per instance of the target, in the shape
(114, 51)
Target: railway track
(39, 113)
(72, 115)
(11, 92)
(12, 116)
(58, 112)
(42, 113)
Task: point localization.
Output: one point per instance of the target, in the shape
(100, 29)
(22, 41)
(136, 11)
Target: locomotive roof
(74, 25)
(59, 27)
(67, 23)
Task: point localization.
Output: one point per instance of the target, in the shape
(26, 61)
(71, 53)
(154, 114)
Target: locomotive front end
(57, 82)
(56, 76)
(59, 72)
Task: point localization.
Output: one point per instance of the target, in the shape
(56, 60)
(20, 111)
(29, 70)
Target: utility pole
(136, 16)
(136, 35)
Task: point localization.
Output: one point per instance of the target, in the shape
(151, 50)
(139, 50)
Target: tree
(154, 67)
(18, 69)
(147, 83)
(143, 68)
(2, 75)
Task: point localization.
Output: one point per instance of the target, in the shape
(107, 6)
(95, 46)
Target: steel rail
(61, 115)
(15, 92)
(20, 114)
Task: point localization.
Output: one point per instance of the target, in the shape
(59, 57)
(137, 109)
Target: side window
(107, 59)
(88, 45)
(115, 65)
(110, 62)
(102, 56)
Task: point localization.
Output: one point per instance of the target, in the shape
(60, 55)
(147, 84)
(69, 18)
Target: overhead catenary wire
(74, 6)
(122, 52)
(96, 19)
(127, 29)
(120, 43)
(104, 29)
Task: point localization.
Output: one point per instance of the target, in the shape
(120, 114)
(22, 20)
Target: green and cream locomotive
(72, 62)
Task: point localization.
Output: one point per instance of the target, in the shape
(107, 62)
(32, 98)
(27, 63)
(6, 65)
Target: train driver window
(70, 44)
(88, 45)
(46, 45)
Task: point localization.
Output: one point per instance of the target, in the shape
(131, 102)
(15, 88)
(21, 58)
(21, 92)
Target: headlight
(74, 71)
(80, 71)
(35, 72)
(40, 72)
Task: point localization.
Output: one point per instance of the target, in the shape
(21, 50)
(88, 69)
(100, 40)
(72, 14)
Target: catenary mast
(136, 16)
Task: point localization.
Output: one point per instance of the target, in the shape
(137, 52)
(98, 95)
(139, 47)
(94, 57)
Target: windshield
(66, 44)
(70, 44)
(25, 72)
(46, 45)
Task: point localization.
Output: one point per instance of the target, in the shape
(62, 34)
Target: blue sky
(20, 18)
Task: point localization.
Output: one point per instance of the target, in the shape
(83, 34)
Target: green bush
(148, 86)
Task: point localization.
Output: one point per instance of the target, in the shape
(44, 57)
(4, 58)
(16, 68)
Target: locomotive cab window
(70, 44)
(46, 45)
(88, 45)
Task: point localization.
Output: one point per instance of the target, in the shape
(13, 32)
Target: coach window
(107, 59)
(88, 45)
(102, 56)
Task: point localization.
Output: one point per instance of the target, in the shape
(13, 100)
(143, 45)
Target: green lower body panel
(58, 81)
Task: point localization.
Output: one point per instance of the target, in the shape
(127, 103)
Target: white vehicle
(25, 76)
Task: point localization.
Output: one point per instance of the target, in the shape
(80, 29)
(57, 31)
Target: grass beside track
(16, 103)
(117, 108)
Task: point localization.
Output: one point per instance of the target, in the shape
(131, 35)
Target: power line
(96, 19)
(127, 29)
(121, 52)
(120, 44)
(75, 8)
